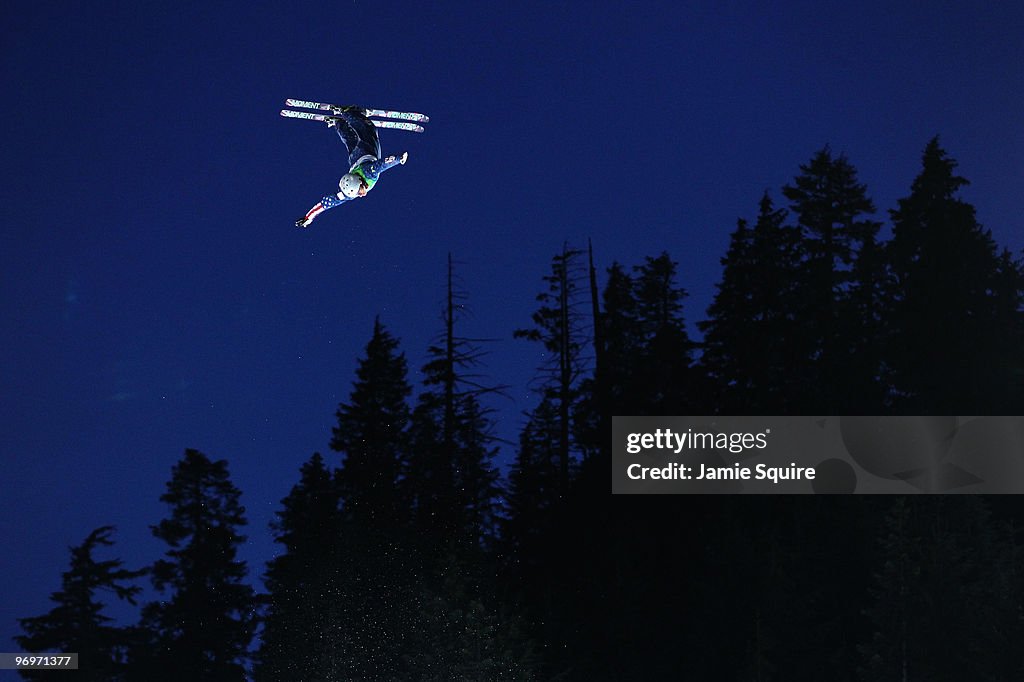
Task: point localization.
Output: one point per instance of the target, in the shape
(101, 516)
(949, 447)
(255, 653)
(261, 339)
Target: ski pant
(358, 134)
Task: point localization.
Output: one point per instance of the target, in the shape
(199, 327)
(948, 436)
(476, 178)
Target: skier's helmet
(350, 184)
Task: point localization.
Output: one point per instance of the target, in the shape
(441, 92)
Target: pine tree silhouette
(77, 623)
(751, 337)
(954, 314)
(203, 628)
(832, 210)
(301, 637)
(372, 435)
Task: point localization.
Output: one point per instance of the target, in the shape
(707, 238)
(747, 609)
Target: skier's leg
(360, 134)
(349, 136)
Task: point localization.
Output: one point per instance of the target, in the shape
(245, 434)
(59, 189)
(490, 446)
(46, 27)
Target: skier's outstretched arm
(329, 201)
(381, 165)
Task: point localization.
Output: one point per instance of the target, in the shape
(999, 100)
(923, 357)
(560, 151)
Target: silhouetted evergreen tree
(592, 422)
(372, 435)
(751, 339)
(455, 488)
(955, 317)
(864, 389)
(203, 628)
(303, 623)
(643, 359)
(77, 623)
(731, 349)
(645, 349)
(374, 612)
(666, 382)
(831, 208)
(615, 382)
(476, 476)
(405, 602)
(533, 490)
(533, 531)
(431, 480)
(623, 344)
(451, 473)
(561, 328)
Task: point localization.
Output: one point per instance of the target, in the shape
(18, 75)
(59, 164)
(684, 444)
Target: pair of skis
(407, 120)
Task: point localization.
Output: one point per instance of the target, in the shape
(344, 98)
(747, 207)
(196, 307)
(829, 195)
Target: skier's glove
(302, 222)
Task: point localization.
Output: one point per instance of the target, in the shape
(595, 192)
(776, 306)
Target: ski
(397, 125)
(380, 113)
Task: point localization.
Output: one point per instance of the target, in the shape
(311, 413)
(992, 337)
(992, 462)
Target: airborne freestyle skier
(359, 135)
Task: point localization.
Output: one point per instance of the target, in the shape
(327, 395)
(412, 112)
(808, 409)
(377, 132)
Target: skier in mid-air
(359, 134)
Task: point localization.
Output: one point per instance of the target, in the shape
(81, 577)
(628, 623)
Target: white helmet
(350, 184)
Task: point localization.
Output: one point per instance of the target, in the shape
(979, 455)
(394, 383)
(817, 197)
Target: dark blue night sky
(155, 295)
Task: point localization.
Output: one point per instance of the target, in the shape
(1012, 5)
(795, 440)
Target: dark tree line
(406, 555)
(815, 315)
